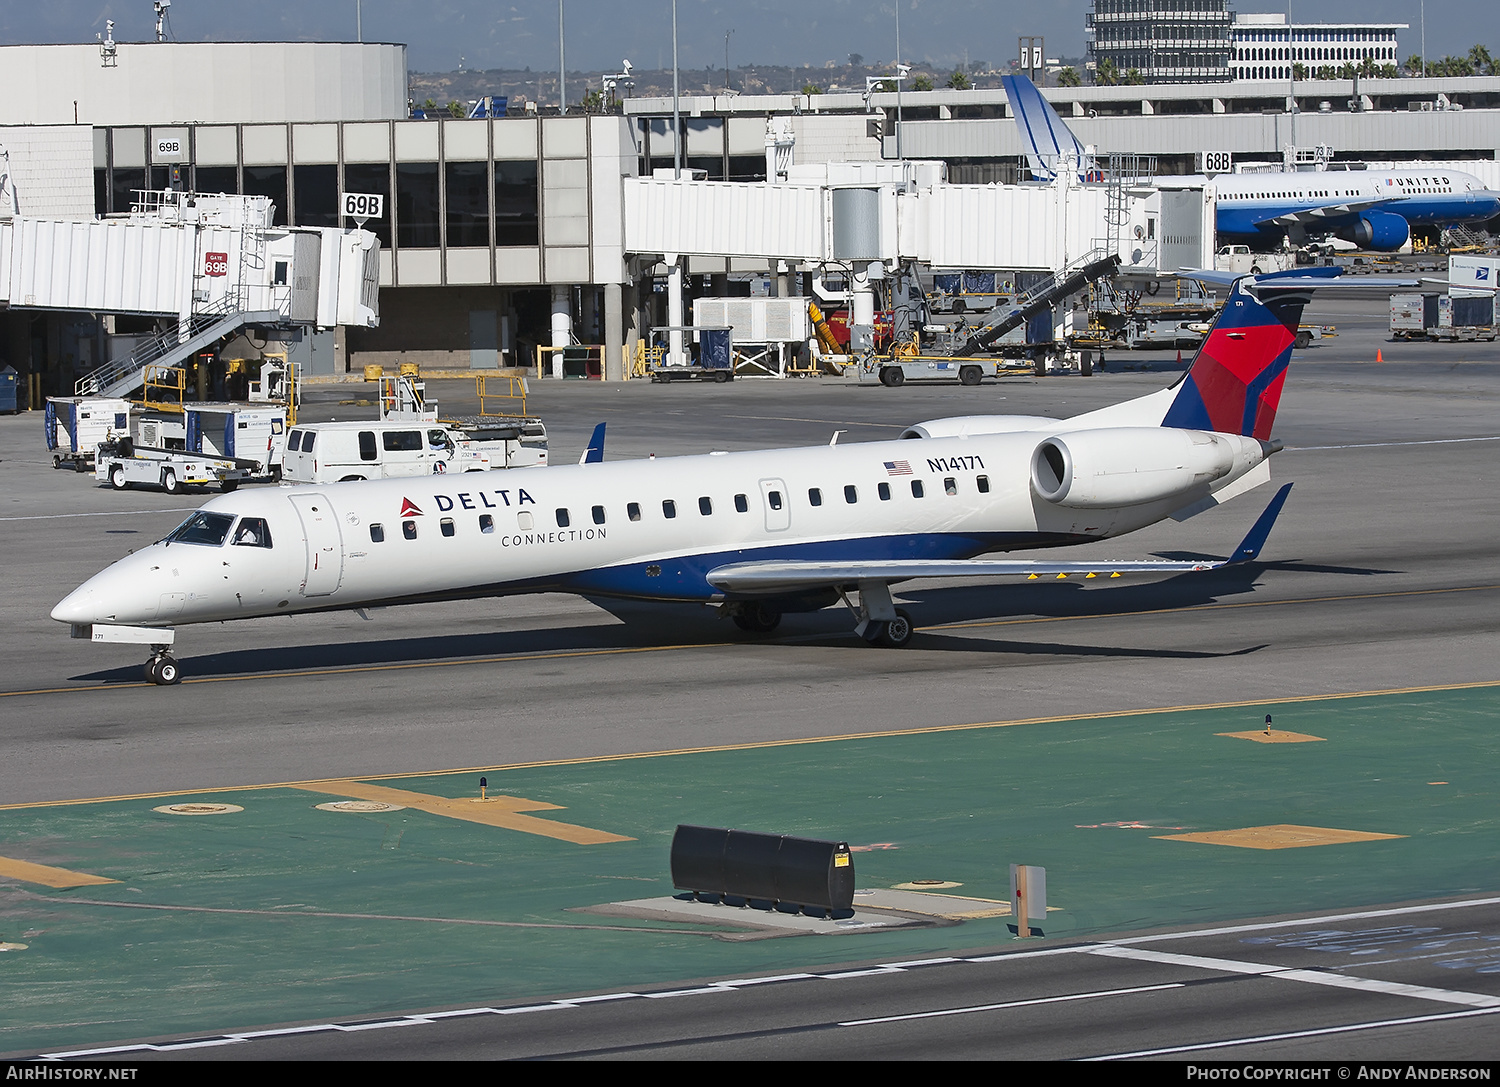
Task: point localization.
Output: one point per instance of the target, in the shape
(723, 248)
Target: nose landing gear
(162, 669)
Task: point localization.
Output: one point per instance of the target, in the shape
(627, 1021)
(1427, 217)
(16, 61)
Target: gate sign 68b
(1215, 162)
(362, 205)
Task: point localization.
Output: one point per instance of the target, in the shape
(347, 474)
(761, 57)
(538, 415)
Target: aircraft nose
(76, 607)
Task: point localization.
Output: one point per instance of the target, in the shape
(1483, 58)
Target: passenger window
(916, 488)
(598, 515)
(984, 484)
(814, 497)
(851, 494)
(377, 534)
(668, 508)
(486, 523)
(294, 441)
(409, 529)
(950, 485)
(523, 521)
(366, 445)
(741, 504)
(402, 441)
(563, 520)
(705, 506)
(884, 490)
(253, 532)
(447, 526)
(308, 437)
(633, 510)
(774, 497)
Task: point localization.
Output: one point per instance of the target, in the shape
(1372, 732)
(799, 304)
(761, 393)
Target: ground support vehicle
(1240, 260)
(122, 464)
(892, 371)
(391, 448)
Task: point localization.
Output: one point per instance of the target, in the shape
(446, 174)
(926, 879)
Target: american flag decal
(897, 468)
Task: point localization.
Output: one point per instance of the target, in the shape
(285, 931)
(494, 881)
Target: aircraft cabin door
(773, 496)
(325, 545)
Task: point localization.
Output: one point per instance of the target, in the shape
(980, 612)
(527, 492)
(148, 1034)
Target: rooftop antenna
(163, 29)
(107, 48)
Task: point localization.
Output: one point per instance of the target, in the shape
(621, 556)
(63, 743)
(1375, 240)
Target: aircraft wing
(1320, 216)
(783, 576)
(1315, 278)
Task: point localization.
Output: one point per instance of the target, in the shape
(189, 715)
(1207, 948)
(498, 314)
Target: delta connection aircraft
(755, 533)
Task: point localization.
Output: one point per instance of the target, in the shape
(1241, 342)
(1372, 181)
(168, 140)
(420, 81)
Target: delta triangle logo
(409, 508)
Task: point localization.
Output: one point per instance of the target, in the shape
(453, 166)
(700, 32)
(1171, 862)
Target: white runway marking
(1389, 445)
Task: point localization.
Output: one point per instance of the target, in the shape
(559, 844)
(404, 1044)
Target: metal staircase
(122, 376)
(1091, 266)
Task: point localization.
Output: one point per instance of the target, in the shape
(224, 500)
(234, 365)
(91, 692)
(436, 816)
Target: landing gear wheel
(164, 671)
(117, 477)
(757, 619)
(170, 483)
(897, 631)
(970, 375)
(892, 376)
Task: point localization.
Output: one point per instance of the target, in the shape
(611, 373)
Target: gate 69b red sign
(215, 264)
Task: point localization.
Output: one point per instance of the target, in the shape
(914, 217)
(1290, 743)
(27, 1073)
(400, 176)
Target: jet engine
(1382, 231)
(1127, 466)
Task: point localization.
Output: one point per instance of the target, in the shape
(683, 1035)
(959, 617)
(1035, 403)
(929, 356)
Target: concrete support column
(614, 332)
(562, 325)
(675, 354)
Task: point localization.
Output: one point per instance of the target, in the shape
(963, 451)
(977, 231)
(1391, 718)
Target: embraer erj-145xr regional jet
(757, 533)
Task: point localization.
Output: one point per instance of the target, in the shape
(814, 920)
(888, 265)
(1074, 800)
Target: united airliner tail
(1234, 383)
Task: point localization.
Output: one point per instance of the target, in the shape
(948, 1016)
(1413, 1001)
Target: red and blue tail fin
(1234, 383)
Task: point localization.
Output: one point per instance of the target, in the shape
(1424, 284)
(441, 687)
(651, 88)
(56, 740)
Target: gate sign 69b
(215, 264)
(362, 205)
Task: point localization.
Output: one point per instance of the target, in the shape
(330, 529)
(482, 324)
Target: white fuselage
(605, 528)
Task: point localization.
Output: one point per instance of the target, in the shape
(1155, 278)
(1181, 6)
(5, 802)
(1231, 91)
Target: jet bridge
(212, 263)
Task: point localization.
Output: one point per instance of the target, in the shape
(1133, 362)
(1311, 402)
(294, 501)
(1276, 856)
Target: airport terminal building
(498, 232)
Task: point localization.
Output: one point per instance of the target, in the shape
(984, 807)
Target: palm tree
(1480, 57)
(1368, 68)
(958, 81)
(1299, 70)
(1068, 77)
(1107, 74)
(1389, 71)
(811, 88)
(1414, 64)
(1134, 78)
(1346, 70)
(922, 82)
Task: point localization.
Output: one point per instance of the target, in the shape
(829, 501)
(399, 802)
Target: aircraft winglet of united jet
(756, 533)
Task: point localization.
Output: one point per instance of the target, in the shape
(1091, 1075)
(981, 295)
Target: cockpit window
(202, 528)
(252, 532)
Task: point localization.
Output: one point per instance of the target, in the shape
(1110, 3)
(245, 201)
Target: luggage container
(1464, 317)
(77, 425)
(1412, 314)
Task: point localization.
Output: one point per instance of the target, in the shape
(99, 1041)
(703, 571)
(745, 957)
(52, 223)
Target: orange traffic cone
(1377, 355)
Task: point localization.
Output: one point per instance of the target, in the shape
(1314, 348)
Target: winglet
(594, 454)
(1255, 539)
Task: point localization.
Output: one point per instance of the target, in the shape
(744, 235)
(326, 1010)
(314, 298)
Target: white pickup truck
(1241, 261)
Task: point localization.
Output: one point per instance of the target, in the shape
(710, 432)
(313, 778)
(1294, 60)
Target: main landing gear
(878, 620)
(162, 669)
(754, 617)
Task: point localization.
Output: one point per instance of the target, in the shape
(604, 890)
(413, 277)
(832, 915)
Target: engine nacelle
(1382, 231)
(960, 425)
(1128, 466)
